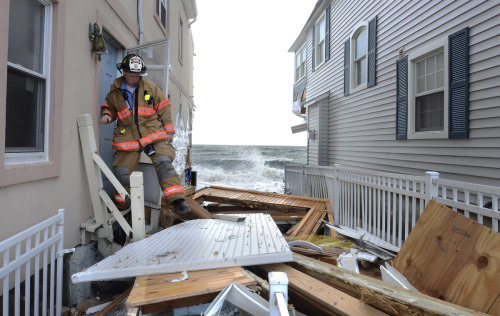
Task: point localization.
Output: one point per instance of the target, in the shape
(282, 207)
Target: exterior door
(108, 74)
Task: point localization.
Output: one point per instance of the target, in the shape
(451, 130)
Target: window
(432, 90)
(429, 93)
(28, 64)
(360, 56)
(320, 40)
(181, 39)
(359, 60)
(161, 11)
(300, 64)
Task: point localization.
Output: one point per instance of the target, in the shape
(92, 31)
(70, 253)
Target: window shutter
(347, 52)
(372, 52)
(401, 97)
(327, 33)
(313, 47)
(459, 84)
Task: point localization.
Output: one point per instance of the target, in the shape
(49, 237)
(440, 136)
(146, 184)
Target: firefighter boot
(180, 206)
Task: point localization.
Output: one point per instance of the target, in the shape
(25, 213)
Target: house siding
(31, 193)
(361, 129)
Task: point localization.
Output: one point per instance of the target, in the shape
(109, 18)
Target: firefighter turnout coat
(152, 109)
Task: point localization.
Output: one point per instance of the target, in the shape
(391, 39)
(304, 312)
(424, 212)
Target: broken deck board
(314, 209)
(158, 293)
(331, 300)
(195, 245)
(454, 258)
(392, 299)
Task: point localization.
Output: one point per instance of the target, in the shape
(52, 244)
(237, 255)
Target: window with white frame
(320, 40)
(359, 52)
(300, 63)
(161, 11)
(427, 93)
(28, 94)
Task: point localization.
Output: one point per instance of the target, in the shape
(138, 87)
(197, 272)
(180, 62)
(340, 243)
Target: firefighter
(144, 123)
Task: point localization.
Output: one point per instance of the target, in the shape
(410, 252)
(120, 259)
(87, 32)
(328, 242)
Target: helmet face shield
(132, 64)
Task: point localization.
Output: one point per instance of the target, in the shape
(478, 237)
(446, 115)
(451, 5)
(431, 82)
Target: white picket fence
(387, 204)
(38, 249)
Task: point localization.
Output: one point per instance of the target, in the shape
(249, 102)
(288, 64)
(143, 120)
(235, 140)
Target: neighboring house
(51, 76)
(402, 86)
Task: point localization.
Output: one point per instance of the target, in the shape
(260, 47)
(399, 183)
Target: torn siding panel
(196, 245)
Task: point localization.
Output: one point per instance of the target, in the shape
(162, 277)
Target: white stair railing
(101, 202)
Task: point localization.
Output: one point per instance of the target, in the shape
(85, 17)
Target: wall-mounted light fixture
(98, 44)
(312, 134)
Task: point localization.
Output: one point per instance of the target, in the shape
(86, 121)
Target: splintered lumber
(113, 304)
(330, 299)
(454, 258)
(156, 293)
(311, 223)
(197, 211)
(392, 299)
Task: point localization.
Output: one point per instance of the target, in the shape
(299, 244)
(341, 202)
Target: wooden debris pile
(451, 260)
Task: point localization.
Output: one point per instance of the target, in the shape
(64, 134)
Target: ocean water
(258, 168)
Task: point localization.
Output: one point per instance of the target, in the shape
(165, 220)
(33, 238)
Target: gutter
(195, 12)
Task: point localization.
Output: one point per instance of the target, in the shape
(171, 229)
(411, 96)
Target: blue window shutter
(313, 48)
(327, 33)
(401, 97)
(372, 52)
(459, 84)
(347, 64)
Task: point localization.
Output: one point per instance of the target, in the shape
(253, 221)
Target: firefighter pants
(126, 162)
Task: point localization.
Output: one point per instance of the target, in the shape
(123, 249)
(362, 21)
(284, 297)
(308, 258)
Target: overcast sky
(243, 72)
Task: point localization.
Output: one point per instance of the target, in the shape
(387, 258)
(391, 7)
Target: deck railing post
(336, 194)
(431, 187)
(303, 181)
(87, 140)
(137, 205)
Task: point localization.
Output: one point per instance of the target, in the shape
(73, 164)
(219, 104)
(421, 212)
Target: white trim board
(196, 245)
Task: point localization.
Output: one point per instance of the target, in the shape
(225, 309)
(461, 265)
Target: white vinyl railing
(387, 204)
(39, 248)
(101, 202)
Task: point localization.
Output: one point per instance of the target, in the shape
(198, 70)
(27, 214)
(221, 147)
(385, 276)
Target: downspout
(193, 3)
(139, 18)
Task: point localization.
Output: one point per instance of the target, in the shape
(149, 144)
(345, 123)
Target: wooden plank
(310, 223)
(197, 211)
(200, 285)
(454, 258)
(113, 304)
(390, 298)
(330, 298)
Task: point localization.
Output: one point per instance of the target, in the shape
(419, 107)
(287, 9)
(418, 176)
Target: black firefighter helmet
(132, 64)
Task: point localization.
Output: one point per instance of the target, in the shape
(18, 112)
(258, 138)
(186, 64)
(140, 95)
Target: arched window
(359, 60)
(359, 53)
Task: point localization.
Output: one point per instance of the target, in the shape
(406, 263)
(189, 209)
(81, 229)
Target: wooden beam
(392, 299)
(321, 294)
(253, 204)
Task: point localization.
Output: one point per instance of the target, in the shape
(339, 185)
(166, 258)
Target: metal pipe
(139, 18)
